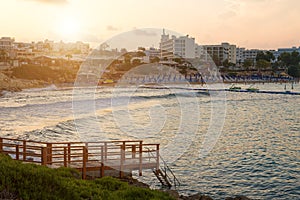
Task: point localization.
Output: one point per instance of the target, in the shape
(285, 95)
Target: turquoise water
(257, 153)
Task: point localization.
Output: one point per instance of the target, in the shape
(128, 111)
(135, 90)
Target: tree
(127, 58)
(289, 59)
(268, 56)
(136, 62)
(141, 49)
(294, 71)
(104, 46)
(247, 64)
(140, 54)
(263, 64)
(3, 55)
(69, 56)
(154, 59)
(178, 60)
(260, 56)
(295, 58)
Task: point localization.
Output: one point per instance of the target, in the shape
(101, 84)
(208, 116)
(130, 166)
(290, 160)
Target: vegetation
(31, 72)
(248, 63)
(291, 61)
(263, 64)
(3, 56)
(263, 60)
(30, 181)
(267, 56)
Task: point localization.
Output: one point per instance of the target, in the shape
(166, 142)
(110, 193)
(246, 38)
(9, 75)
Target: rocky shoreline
(131, 181)
(15, 79)
(175, 194)
(16, 85)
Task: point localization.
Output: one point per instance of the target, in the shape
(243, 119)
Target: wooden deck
(121, 156)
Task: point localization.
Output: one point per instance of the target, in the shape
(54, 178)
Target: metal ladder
(164, 174)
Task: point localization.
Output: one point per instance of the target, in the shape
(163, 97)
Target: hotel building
(182, 46)
(224, 51)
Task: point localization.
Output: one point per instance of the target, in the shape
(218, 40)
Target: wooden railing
(91, 156)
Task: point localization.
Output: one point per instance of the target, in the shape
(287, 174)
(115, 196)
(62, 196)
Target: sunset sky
(266, 24)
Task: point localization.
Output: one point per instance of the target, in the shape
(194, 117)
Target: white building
(173, 46)
(224, 51)
(199, 51)
(285, 50)
(61, 46)
(246, 54)
(6, 43)
(289, 50)
(152, 52)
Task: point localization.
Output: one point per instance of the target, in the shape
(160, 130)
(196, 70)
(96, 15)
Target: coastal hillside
(9, 83)
(30, 76)
(30, 181)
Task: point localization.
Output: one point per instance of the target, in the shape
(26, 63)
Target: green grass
(30, 181)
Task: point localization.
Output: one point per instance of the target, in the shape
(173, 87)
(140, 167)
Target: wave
(47, 88)
(101, 101)
(172, 95)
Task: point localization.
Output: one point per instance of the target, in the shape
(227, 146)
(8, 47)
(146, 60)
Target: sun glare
(68, 27)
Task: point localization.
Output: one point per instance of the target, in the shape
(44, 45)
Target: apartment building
(222, 52)
(246, 54)
(6, 43)
(182, 46)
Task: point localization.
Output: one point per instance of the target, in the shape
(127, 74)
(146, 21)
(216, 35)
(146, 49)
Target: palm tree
(69, 56)
(104, 46)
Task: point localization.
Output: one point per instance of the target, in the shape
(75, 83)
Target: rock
(195, 197)
(203, 197)
(5, 194)
(172, 193)
(237, 198)
(134, 182)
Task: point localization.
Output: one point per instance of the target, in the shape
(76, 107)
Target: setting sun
(68, 27)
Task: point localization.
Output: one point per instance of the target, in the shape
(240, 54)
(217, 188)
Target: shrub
(30, 181)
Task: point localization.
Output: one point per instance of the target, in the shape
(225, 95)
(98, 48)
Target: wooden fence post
(105, 151)
(17, 152)
(122, 159)
(69, 153)
(44, 155)
(1, 145)
(157, 156)
(24, 150)
(49, 153)
(140, 157)
(65, 156)
(87, 151)
(102, 162)
(133, 151)
(84, 159)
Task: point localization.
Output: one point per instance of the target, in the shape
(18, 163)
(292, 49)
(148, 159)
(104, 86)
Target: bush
(30, 181)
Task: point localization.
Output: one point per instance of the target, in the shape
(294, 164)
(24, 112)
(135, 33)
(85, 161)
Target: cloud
(111, 28)
(232, 9)
(227, 15)
(144, 32)
(51, 1)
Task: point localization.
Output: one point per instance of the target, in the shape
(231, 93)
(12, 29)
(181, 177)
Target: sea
(218, 143)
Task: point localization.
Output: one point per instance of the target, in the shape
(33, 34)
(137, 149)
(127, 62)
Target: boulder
(237, 198)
